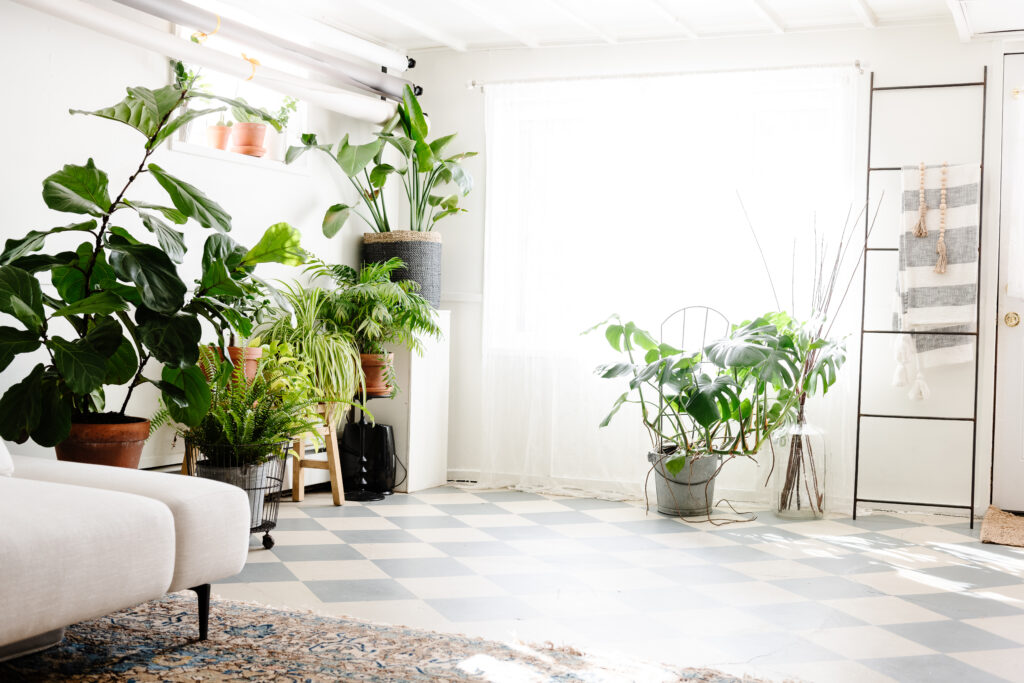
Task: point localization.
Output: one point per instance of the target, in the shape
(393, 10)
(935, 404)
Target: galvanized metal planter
(691, 491)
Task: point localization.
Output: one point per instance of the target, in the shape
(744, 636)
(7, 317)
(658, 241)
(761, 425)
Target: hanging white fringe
(920, 390)
(904, 355)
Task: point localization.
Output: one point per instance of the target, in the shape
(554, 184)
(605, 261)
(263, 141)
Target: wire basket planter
(257, 469)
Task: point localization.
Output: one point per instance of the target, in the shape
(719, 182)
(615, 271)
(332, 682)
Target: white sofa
(80, 541)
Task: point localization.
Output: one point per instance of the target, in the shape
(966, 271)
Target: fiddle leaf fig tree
(102, 310)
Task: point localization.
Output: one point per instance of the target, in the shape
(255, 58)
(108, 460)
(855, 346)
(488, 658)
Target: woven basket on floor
(421, 253)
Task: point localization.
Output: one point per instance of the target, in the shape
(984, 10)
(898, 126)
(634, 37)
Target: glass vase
(799, 479)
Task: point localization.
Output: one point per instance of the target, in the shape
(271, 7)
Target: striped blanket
(931, 301)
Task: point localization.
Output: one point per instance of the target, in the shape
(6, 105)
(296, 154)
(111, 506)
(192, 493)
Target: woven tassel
(940, 248)
(900, 378)
(920, 229)
(920, 390)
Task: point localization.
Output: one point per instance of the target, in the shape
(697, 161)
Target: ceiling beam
(963, 28)
(415, 24)
(771, 17)
(583, 22)
(681, 26)
(497, 20)
(866, 14)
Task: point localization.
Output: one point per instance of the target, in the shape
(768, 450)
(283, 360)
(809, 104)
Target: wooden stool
(332, 464)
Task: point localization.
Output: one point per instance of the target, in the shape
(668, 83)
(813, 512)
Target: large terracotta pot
(105, 443)
(218, 136)
(376, 368)
(249, 356)
(247, 138)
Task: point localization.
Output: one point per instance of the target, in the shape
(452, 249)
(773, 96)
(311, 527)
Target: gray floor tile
(701, 573)
(522, 533)
(359, 590)
(427, 522)
(655, 525)
(534, 584)
(730, 553)
(483, 609)
(846, 564)
(472, 509)
(880, 522)
(962, 605)
(803, 616)
(867, 542)
(507, 496)
(377, 536)
(557, 518)
(618, 544)
(590, 561)
(591, 503)
(477, 548)
(257, 572)
(972, 576)
(424, 567)
(827, 588)
(769, 647)
(665, 599)
(759, 534)
(929, 669)
(297, 524)
(316, 553)
(951, 636)
(395, 499)
(339, 511)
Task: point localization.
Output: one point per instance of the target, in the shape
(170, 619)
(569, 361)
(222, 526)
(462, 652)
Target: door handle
(1012, 319)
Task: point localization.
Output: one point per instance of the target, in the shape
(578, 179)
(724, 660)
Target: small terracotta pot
(375, 369)
(247, 138)
(117, 444)
(218, 136)
(249, 356)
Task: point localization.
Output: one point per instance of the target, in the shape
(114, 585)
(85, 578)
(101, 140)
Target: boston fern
(118, 300)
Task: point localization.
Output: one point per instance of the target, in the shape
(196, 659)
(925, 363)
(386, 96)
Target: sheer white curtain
(621, 196)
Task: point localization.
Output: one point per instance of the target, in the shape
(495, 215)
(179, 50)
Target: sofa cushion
(6, 464)
(211, 519)
(69, 553)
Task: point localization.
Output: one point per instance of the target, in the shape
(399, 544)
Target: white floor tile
(335, 570)
(884, 610)
(453, 587)
(866, 642)
(394, 551)
(356, 523)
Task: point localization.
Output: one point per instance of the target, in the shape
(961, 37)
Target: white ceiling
(479, 24)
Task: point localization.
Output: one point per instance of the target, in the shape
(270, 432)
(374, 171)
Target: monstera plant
(102, 310)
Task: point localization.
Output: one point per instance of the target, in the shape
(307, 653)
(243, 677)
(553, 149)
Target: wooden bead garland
(940, 246)
(921, 228)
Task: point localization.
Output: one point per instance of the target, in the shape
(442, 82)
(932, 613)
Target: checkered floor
(905, 598)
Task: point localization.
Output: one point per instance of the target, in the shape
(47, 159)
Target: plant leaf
(77, 189)
(81, 367)
(354, 158)
(142, 109)
(173, 215)
(335, 219)
(21, 407)
(171, 241)
(151, 270)
(413, 115)
(177, 122)
(13, 342)
(190, 201)
(101, 303)
(191, 381)
(172, 339)
(281, 243)
(22, 297)
(33, 241)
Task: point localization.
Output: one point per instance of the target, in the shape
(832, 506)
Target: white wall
(50, 66)
(923, 470)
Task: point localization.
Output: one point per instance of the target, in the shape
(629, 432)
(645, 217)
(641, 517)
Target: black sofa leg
(203, 593)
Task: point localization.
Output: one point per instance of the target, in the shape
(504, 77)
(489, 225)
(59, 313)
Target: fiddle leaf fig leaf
(100, 303)
(33, 241)
(77, 189)
(177, 122)
(142, 109)
(152, 271)
(172, 339)
(243, 107)
(220, 247)
(54, 415)
(335, 219)
(171, 241)
(196, 390)
(281, 243)
(78, 363)
(122, 364)
(190, 201)
(173, 215)
(22, 297)
(21, 407)
(13, 342)
(217, 281)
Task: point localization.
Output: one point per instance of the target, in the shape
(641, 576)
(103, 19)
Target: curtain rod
(474, 84)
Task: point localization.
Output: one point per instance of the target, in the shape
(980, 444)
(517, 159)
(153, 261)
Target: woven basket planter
(421, 253)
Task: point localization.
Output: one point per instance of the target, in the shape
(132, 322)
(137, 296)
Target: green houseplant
(703, 408)
(376, 311)
(425, 169)
(250, 128)
(118, 300)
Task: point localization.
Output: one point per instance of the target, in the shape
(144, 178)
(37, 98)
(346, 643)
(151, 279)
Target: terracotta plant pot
(247, 138)
(118, 444)
(376, 368)
(218, 136)
(249, 356)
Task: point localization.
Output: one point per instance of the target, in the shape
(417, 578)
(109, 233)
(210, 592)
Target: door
(1008, 455)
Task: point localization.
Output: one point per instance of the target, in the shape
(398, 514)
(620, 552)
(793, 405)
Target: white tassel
(904, 352)
(920, 390)
(900, 378)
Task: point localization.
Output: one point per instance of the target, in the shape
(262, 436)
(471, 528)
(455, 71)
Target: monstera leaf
(711, 399)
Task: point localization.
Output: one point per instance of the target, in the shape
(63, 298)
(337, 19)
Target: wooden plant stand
(328, 430)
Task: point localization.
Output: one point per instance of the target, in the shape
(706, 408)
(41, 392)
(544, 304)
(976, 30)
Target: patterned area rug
(155, 642)
(1003, 528)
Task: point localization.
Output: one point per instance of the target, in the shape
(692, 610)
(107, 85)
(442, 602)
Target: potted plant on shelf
(245, 436)
(703, 408)
(218, 134)
(279, 138)
(250, 128)
(118, 301)
(425, 168)
(377, 311)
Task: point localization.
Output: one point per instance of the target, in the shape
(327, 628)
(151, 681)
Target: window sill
(299, 168)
